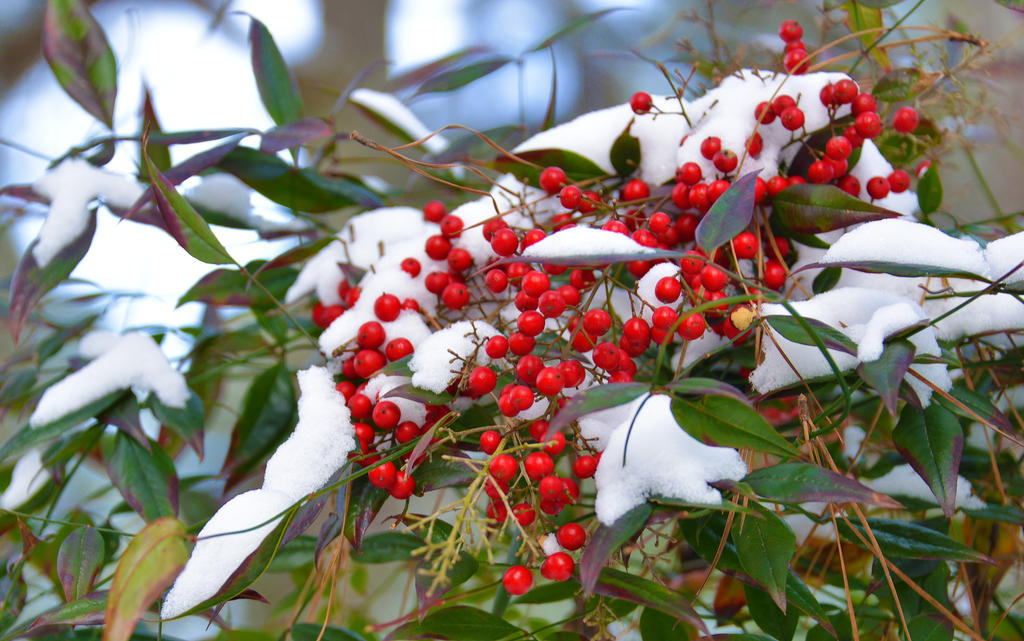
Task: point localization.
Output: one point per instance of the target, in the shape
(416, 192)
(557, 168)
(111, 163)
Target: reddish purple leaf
(293, 134)
(79, 560)
(608, 538)
(597, 398)
(803, 482)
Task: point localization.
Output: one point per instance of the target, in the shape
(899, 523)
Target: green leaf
(913, 541)
(385, 547)
(980, 404)
(655, 625)
(705, 386)
(898, 85)
(594, 399)
(932, 441)
(187, 422)
(929, 190)
(826, 280)
(804, 482)
(801, 597)
(765, 547)
(730, 423)
(439, 472)
(301, 189)
(625, 153)
(124, 415)
(268, 415)
(900, 269)
(572, 26)
(29, 437)
(459, 623)
(812, 209)
(364, 501)
(234, 288)
(575, 166)
(550, 593)
(924, 627)
(146, 480)
(149, 564)
(278, 91)
(865, 15)
(629, 587)
(79, 560)
(31, 282)
(461, 76)
(730, 214)
(80, 57)
(885, 374)
(608, 538)
(791, 329)
(183, 223)
(780, 624)
(317, 632)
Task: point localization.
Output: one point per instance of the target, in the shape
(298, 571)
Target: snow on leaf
(590, 246)
(394, 116)
(131, 360)
(650, 454)
(28, 477)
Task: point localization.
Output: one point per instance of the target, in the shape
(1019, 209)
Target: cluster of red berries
(794, 57)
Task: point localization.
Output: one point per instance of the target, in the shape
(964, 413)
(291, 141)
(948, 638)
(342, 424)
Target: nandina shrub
(679, 367)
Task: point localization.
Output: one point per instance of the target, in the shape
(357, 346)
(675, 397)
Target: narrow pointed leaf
(793, 331)
(780, 624)
(147, 480)
(812, 209)
(572, 26)
(150, 563)
(419, 74)
(29, 437)
(461, 76)
(765, 547)
(804, 482)
(980, 404)
(885, 374)
(932, 441)
(80, 57)
(929, 190)
(31, 282)
(88, 610)
(608, 538)
(268, 415)
(234, 288)
(364, 501)
(728, 422)
(159, 154)
(79, 560)
(730, 214)
(705, 386)
(621, 585)
(293, 134)
(897, 85)
(898, 269)
(913, 541)
(625, 153)
(385, 547)
(575, 166)
(278, 91)
(439, 472)
(124, 415)
(596, 398)
(187, 422)
(183, 222)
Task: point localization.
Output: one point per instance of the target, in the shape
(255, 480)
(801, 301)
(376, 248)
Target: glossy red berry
(570, 196)
(549, 381)
(819, 172)
(386, 415)
(790, 30)
(535, 283)
(503, 467)
(640, 102)
(551, 488)
(877, 187)
(371, 335)
(774, 274)
(635, 190)
(451, 226)
(455, 296)
(552, 179)
(754, 144)
(530, 323)
(517, 580)
(667, 289)
(792, 118)
(538, 465)
(710, 146)
(403, 487)
(489, 441)
(844, 91)
(557, 567)
(795, 61)
(584, 467)
(482, 380)
(690, 173)
(863, 102)
(520, 344)
(398, 348)
(324, 315)
(496, 346)
(899, 181)
(692, 327)
(838, 147)
(434, 211)
(437, 247)
(776, 184)
(524, 513)
(849, 184)
(764, 113)
(411, 266)
(725, 161)
(868, 124)
(555, 444)
(368, 361)
(597, 322)
(383, 475)
(745, 245)
(712, 278)
(571, 536)
(905, 120)
(496, 280)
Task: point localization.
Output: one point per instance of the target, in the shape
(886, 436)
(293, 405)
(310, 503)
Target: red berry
(555, 444)
(838, 148)
(792, 118)
(524, 302)
(403, 487)
(689, 173)
(899, 181)
(489, 441)
(549, 381)
(496, 280)
(497, 511)
(503, 467)
(538, 465)
(692, 327)
(557, 567)
(776, 184)
(371, 335)
(520, 344)
(572, 373)
(570, 196)
(517, 580)
(535, 283)
(664, 317)
(572, 536)
(774, 274)
(383, 475)
(538, 430)
(795, 61)
(406, 431)
(849, 184)
(496, 346)
(710, 146)
(533, 236)
(584, 467)
(530, 323)
(641, 102)
(606, 356)
(451, 226)
(844, 91)
(764, 113)
(552, 179)
(411, 266)
(868, 124)
(597, 322)
(877, 187)
(905, 120)
(716, 189)
(790, 30)
(482, 381)
(504, 242)
(819, 172)
(455, 296)
(826, 95)
(712, 278)
(367, 361)
(863, 102)
(324, 315)
(520, 398)
(551, 488)
(386, 415)
(725, 161)
(437, 247)
(434, 211)
(551, 304)
(745, 245)
(668, 289)
(591, 200)
(781, 102)
(524, 513)
(635, 190)
(398, 348)
(435, 282)
(360, 406)
(459, 260)
(754, 144)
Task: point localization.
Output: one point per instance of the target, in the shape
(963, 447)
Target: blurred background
(193, 55)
